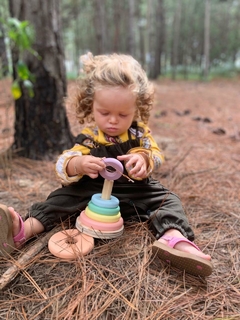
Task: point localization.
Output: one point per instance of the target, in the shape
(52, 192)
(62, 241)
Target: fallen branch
(20, 264)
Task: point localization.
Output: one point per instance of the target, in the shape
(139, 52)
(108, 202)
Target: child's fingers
(124, 157)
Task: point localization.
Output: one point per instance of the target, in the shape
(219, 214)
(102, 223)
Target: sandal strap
(172, 241)
(20, 237)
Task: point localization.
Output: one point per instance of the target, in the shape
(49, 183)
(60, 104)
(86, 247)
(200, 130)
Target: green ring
(104, 211)
(101, 218)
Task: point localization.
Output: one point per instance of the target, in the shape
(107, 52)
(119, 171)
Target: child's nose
(113, 119)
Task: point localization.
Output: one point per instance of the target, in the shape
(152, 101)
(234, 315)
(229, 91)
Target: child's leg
(170, 217)
(13, 231)
(182, 245)
(176, 250)
(175, 236)
(61, 204)
(31, 226)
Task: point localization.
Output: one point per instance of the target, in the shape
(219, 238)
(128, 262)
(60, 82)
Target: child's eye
(104, 114)
(123, 115)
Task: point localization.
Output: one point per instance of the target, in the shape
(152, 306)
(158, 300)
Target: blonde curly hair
(111, 70)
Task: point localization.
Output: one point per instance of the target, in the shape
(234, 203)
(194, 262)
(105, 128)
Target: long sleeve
(90, 138)
(64, 158)
(149, 146)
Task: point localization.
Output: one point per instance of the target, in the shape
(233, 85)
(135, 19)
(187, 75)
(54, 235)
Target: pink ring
(102, 226)
(114, 175)
(70, 244)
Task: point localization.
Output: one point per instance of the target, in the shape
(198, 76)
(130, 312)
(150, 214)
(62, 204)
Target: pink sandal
(184, 261)
(7, 241)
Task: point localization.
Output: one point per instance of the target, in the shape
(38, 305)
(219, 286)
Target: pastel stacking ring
(99, 234)
(102, 218)
(115, 164)
(96, 225)
(70, 244)
(104, 211)
(113, 202)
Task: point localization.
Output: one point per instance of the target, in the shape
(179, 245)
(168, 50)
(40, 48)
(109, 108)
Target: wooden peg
(107, 189)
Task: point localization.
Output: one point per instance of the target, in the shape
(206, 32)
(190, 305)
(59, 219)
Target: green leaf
(22, 70)
(13, 22)
(16, 90)
(24, 24)
(21, 33)
(12, 35)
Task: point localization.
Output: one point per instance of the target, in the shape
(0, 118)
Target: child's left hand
(135, 164)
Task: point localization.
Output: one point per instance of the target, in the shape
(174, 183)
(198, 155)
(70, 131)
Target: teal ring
(113, 202)
(103, 211)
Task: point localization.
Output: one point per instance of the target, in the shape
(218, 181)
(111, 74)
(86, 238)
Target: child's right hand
(89, 165)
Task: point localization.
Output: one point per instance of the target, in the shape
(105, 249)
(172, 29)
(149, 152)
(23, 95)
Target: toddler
(113, 99)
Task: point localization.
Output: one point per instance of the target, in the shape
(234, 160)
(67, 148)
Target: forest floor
(198, 127)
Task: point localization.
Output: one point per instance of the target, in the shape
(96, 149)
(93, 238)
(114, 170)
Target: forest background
(190, 49)
(184, 39)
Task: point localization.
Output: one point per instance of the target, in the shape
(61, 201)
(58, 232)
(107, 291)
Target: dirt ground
(198, 127)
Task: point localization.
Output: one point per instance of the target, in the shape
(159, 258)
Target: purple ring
(112, 175)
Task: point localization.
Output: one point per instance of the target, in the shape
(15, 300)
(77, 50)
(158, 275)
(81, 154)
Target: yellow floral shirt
(147, 145)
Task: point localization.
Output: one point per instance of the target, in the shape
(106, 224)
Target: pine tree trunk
(100, 26)
(3, 54)
(206, 38)
(4, 61)
(157, 38)
(176, 35)
(41, 125)
(132, 23)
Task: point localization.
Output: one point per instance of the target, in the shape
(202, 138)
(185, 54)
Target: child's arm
(85, 165)
(72, 164)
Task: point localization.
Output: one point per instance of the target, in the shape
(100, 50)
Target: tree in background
(3, 54)
(176, 38)
(206, 38)
(4, 65)
(132, 27)
(165, 36)
(100, 26)
(41, 124)
(156, 37)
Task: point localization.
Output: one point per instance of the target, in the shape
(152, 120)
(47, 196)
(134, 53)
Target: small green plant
(21, 35)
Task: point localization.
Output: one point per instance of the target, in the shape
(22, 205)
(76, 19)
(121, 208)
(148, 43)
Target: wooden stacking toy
(102, 217)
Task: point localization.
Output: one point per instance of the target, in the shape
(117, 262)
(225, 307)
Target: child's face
(114, 109)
